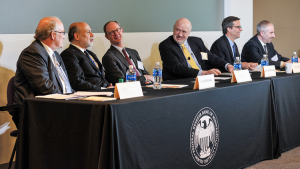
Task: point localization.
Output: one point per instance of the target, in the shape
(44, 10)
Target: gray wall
(22, 16)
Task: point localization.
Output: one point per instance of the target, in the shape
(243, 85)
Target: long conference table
(229, 126)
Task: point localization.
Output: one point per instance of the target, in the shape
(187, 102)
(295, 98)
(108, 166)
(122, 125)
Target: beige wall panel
(286, 40)
(262, 10)
(286, 14)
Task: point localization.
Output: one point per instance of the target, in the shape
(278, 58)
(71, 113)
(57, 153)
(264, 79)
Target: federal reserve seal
(204, 136)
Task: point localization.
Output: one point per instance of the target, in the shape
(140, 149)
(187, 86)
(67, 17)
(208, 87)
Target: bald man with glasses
(117, 59)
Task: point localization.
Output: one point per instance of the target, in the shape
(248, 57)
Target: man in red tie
(117, 59)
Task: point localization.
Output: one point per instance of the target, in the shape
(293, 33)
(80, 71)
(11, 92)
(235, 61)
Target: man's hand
(230, 68)
(250, 66)
(110, 86)
(215, 72)
(289, 61)
(149, 78)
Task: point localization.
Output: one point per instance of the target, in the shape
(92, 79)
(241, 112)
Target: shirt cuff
(226, 66)
(281, 64)
(199, 73)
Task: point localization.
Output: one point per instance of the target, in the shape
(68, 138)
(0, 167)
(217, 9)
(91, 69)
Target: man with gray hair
(40, 69)
(261, 44)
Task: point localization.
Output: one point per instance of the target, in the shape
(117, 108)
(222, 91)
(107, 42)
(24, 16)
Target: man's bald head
(182, 30)
(46, 26)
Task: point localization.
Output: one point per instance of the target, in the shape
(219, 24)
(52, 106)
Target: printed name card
(241, 76)
(268, 71)
(128, 90)
(205, 81)
(296, 67)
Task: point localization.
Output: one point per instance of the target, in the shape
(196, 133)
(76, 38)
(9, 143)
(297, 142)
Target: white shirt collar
(80, 48)
(119, 48)
(48, 49)
(262, 43)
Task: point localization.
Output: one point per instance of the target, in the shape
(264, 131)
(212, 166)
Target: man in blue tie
(40, 69)
(225, 47)
(84, 69)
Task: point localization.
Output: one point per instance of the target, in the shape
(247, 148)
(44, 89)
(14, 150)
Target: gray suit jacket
(116, 65)
(36, 74)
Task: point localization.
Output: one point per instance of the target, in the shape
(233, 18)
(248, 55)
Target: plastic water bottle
(295, 58)
(237, 64)
(130, 74)
(264, 61)
(157, 73)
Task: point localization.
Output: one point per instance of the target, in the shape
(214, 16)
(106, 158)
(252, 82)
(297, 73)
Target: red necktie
(129, 61)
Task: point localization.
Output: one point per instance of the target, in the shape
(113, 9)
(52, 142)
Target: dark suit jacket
(83, 74)
(116, 65)
(36, 74)
(175, 64)
(253, 52)
(221, 47)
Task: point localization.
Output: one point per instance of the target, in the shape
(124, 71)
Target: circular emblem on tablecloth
(204, 136)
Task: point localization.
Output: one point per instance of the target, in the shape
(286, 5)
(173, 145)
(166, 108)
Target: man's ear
(52, 35)
(76, 36)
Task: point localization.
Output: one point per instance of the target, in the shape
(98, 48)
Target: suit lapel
(119, 56)
(262, 50)
(179, 52)
(229, 47)
(196, 52)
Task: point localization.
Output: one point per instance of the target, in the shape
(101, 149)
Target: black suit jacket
(116, 65)
(175, 64)
(36, 74)
(221, 47)
(253, 52)
(82, 72)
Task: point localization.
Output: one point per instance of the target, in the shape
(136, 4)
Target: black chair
(12, 109)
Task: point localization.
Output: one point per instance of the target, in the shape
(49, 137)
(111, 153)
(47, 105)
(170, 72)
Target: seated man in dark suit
(261, 44)
(187, 57)
(40, 69)
(117, 59)
(84, 69)
(225, 46)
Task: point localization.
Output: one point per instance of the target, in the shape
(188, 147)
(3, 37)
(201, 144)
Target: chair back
(10, 94)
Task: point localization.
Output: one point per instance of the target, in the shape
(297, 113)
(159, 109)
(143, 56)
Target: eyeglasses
(60, 32)
(111, 33)
(178, 31)
(240, 27)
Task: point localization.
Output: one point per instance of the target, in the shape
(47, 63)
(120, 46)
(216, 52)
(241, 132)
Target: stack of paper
(169, 86)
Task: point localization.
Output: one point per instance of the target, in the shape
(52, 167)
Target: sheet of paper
(257, 69)
(96, 98)
(169, 86)
(274, 58)
(222, 78)
(60, 96)
(226, 74)
(85, 93)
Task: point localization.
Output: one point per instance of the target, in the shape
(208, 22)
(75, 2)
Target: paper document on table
(60, 96)
(170, 86)
(96, 98)
(257, 69)
(84, 93)
(222, 78)
(226, 74)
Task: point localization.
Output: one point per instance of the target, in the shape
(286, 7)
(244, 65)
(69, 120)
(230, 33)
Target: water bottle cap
(156, 63)
(120, 80)
(295, 53)
(130, 66)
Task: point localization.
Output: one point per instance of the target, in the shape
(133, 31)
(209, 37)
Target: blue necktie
(233, 51)
(87, 54)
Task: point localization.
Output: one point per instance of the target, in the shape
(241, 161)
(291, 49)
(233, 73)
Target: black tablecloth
(152, 131)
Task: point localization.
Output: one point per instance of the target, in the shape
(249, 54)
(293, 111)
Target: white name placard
(204, 82)
(268, 71)
(128, 90)
(296, 67)
(241, 76)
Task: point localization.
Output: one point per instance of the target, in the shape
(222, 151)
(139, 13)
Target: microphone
(189, 58)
